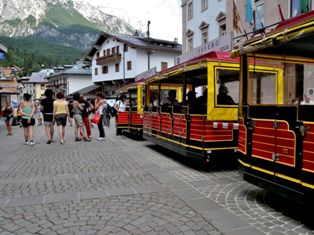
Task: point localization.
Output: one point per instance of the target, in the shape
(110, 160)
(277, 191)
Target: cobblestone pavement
(124, 186)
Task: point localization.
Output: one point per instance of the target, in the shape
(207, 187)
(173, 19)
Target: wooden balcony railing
(104, 60)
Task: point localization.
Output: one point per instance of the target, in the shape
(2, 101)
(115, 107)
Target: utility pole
(148, 49)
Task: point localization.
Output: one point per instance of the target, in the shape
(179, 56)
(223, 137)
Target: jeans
(101, 128)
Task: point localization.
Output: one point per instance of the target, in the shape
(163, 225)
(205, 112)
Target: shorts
(48, 118)
(25, 122)
(78, 120)
(8, 119)
(61, 119)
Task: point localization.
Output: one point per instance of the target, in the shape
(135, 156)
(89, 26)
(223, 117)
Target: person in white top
(100, 104)
(120, 105)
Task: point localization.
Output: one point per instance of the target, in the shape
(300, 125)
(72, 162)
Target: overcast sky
(165, 15)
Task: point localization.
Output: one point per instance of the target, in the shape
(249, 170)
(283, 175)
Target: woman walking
(47, 110)
(100, 103)
(28, 122)
(77, 111)
(60, 114)
(8, 117)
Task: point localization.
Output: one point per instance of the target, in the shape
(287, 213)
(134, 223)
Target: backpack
(113, 112)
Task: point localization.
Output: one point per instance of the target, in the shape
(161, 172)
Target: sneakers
(100, 138)
(49, 142)
(26, 142)
(61, 141)
(77, 139)
(31, 143)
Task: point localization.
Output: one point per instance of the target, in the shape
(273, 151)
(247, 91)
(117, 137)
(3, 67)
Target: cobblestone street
(124, 186)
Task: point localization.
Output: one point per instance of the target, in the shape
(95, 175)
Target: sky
(165, 15)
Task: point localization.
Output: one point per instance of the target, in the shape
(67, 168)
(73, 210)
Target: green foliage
(31, 20)
(31, 53)
(64, 18)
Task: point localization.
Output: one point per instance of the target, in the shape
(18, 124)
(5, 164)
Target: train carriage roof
(194, 67)
(291, 38)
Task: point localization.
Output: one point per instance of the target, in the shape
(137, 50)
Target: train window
(301, 80)
(227, 86)
(262, 88)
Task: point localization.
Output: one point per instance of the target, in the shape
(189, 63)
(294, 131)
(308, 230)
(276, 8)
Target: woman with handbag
(8, 117)
(100, 103)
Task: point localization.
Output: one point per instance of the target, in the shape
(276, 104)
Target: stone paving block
(148, 188)
(121, 192)
(62, 197)
(188, 194)
(93, 194)
(112, 173)
(176, 185)
(25, 201)
(200, 183)
(244, 231)
(224, 180)
(165, 177)
(203, 205)
(224, 220)
(65, 177)
(4, 201)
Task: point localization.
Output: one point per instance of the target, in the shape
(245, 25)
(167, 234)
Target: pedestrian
(19, 115)
(85, 115)
(60, 114)
(47, 110)
(100, 103)
(70, 107)
(38, 114)
(8, 117)
(78, 119)
(120, 105)
(27, 110)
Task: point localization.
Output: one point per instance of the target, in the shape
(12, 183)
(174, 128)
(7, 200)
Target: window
(204, 5)
(263, 88)
(259, 14)
(164, 65)
(113, 50)
(189, 34)
(204, 32)
(108, 52)
(129, 65)
(190, 10)
(96, 71)
(298, 7)
(97, 55)
(221, 19)
(204, 36)
(125, 47)
(227, 86)
(222, 30)
(117, 49)
(105, 69)
(117, 67)
(190, 43)
(104, 52)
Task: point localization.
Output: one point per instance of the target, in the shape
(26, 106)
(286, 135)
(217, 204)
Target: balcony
(104, 60)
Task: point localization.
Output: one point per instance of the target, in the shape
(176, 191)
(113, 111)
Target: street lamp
(148, 49)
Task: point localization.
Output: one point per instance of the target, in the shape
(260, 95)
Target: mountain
(53, 32)
(72, 23)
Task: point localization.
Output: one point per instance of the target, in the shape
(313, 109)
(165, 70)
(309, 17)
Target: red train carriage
(197, 115)
(276, 131)
(132, 119)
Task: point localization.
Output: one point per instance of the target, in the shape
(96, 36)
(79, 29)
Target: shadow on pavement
(217, 163)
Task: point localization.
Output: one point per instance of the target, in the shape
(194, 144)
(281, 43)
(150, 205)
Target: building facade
(70, 78)
(117, 58)
(205, 22)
